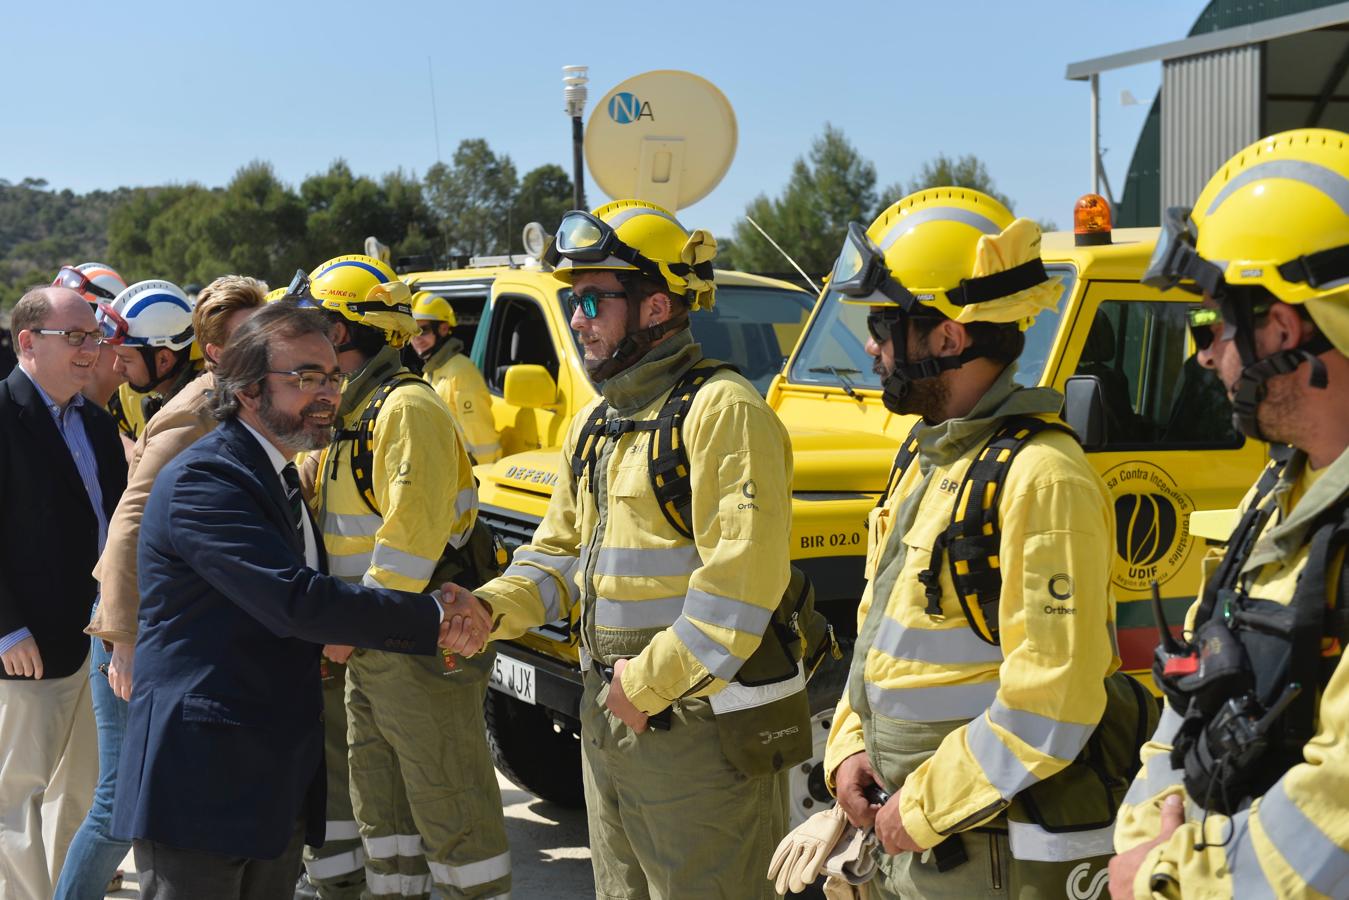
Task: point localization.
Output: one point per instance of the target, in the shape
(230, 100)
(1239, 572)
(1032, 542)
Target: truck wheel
(533, 752)
(806, 790)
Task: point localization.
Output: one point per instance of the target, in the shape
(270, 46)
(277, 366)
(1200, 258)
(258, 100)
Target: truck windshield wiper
(841, 375)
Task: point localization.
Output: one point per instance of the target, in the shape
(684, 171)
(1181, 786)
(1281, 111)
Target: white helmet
(148, 314)
(96, 281)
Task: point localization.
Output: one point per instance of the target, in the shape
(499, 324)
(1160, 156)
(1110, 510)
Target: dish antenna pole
(574, 80)
(435, 116)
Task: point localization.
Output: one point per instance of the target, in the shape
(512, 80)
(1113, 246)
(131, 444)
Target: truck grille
(513, 528)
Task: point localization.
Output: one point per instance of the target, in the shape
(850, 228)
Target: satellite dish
(375, 249)
(663, 136)
(534, 239)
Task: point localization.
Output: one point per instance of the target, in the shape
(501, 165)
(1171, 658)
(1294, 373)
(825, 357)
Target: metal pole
(578, 191)
(1095, 133)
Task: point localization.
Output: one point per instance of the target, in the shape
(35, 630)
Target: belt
(660, 721)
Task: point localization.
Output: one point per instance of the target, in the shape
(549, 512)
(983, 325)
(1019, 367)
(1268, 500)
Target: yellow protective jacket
(125, 407)
(461, 386)
(688, 612)
(1294, 840)
(421, 477)
(1029, 706)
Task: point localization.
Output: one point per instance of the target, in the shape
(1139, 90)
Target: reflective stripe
(379, 883)
(384, 847)
(1167, 726)
(348, 565)
(333, 866)
(658, 613)
(1031, 842)
(400, 562)
(415, 885)
(715, 658)
(616, 221)
(561, 563)
(949, 645)
(1310, 852)
(1008, 774)
(465, 501)
(932, 704)
(340, 830)
(1327, 181)
(547, 585)
(410, 845)
(1158, 776)
(351, 526)
(633, 561)
(1061, 740)
(736, 696)
(471, 874)
(1242, 861)
(727, 612)
(938, 214)
(481, 450)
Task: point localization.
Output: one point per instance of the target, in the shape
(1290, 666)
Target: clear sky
(100, 95)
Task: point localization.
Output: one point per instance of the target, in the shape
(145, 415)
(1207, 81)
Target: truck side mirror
(529, 387)
(1084, 410)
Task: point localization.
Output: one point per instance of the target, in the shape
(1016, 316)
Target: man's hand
(120, 668)
(467, 622)
(338, 653)
(23, 659)
(890, 828)
(619, 704)
(1124, 868)
(853, 777)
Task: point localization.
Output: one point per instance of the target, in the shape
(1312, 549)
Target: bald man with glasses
(62, 470)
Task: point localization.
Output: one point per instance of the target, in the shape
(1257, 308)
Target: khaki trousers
(48, 771)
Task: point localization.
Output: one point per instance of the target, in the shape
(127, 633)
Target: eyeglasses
(589, 300)
(74, 337)
(311, 381)
(73, 278)
(1202, 320)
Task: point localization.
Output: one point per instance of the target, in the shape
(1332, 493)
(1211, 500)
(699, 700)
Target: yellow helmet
(637, 236)
(954, 252)
(429, 307)
(274, 295)
(365, 290)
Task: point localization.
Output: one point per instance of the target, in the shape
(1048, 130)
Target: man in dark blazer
(222, 778)
(62, 471)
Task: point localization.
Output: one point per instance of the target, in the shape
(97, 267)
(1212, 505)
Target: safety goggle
(583, 238)
(73, 278)
(114, 328)
(298, 289)
(1176, 263)
(1202, 320)
(588, 301)
(860, 272)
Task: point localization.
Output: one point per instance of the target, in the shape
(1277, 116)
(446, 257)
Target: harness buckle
(616, 427)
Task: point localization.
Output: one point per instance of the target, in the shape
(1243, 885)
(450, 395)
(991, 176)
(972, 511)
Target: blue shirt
(71, 425)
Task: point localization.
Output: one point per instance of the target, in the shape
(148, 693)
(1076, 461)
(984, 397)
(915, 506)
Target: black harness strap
(908, 451)
(362, 437)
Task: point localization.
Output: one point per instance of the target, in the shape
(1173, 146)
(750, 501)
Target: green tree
(544, 195)
(945, 171)
(830, 187)
(472, 197)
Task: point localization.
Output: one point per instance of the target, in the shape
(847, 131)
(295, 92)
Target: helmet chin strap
(896, 386)
(181, 358)
(637, 341)
(1252, 384)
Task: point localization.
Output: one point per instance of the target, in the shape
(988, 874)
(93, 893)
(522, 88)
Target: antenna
(815, 288)
(435, 117)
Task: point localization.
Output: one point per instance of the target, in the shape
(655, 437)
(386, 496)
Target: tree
(830, 187)
(473, 197)
(945, 171)
(544, 196)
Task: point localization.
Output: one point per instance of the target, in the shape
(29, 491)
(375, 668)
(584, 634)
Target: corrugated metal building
(1247, 69)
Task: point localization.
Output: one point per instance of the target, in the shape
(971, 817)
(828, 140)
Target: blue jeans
(94, 854)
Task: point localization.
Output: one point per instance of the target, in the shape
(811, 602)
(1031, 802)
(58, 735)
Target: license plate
(513, 677)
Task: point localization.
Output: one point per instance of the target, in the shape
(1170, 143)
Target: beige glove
(836, 888)
(853, 858)
(797, 861)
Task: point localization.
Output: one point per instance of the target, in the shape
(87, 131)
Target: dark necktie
(290, 480)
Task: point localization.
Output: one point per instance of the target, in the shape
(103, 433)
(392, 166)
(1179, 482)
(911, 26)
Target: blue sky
(138, 93)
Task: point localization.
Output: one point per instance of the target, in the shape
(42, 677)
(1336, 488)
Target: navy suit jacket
(224, 738)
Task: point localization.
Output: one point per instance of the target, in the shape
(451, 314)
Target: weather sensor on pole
(574, 80)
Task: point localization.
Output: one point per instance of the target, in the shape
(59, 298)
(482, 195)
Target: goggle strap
(1317, 269)
(999, 284)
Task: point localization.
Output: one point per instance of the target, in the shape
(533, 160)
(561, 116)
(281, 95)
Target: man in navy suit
(222, 777)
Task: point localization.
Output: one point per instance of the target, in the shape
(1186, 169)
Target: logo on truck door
(1152, 535)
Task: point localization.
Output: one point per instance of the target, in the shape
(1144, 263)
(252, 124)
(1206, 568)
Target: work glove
(853, 858)
(798, 858)
(836, 888)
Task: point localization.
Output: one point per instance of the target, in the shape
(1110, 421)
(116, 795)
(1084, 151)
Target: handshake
(467, 623)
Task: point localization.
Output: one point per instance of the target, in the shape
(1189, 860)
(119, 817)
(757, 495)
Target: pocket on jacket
(206, 709)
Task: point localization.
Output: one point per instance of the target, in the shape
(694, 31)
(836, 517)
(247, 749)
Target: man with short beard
(956, 707)
(222, 780)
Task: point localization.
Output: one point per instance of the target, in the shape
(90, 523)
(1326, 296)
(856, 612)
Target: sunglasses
(589, 301)
(73, 278)
(878, 325)
(311, 381)
(74, 337)
(1202, 320)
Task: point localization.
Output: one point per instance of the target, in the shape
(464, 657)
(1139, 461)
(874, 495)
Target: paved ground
(550, 854)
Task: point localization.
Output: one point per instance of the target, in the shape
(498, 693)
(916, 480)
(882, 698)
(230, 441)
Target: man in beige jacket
(183, 420)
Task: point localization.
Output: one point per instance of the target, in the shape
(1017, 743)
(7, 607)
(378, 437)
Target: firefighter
(453, 375)
(395, 494)
(1239, 794)
(149, 328)
(683, 796)
(984, 654)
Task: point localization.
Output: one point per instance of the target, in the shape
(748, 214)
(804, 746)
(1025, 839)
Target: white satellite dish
(663, 136)
(534, 239)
